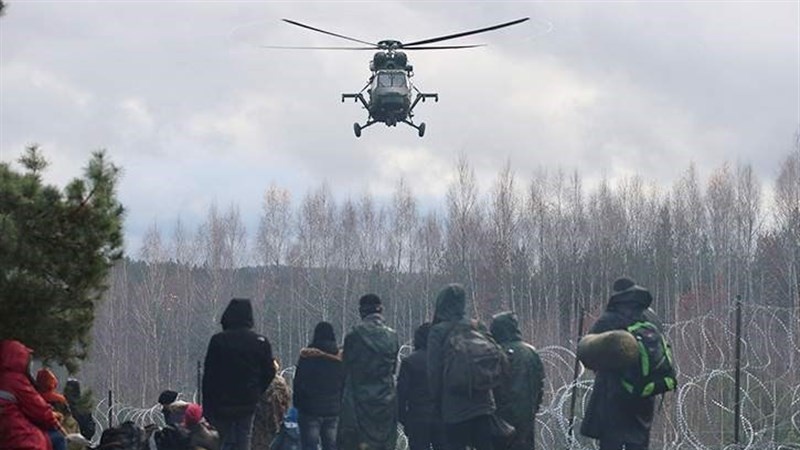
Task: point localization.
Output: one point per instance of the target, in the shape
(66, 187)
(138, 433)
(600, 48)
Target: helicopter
(390, 95)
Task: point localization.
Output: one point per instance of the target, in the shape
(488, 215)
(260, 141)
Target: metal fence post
(575, 373)
(199, 383)
(737, 405)
(110, 409)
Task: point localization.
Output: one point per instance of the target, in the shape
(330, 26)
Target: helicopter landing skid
(420, 128)
(357, 128)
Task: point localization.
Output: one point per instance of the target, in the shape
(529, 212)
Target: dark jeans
(475, 432)
(234, 434)
(314, 429)
(425, 435)
(606, 444)
(57, 439)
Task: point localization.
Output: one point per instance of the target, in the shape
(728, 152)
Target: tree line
(546, 247)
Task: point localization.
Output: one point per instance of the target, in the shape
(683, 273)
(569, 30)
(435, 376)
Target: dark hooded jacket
(368, 420)
(81, 407)
(452, 407)
(238, 365)
(318, 380)
(611, 413)
(413, 395)
(519, 396)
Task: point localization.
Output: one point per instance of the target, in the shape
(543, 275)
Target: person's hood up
(505, 327)
(451, 304)
(46, 384)
(14, 356)
(627, 295)
(238, 314)
(46, 380)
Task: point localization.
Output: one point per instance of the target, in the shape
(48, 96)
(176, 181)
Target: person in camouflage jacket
(520, 395)
(368, 420)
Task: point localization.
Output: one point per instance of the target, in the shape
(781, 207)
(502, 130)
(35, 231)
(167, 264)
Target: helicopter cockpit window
(389, 79)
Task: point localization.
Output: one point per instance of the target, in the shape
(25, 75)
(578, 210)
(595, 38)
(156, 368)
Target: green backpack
(654, 373)
(473, 361)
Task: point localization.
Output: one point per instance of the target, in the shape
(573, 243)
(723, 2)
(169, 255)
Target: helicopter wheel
(421, 129)
(357, 129)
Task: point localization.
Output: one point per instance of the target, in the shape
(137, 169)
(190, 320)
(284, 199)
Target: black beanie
(622, 283)
(167, 397)
(369, 304)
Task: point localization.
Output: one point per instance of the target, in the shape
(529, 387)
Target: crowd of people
(463, 386)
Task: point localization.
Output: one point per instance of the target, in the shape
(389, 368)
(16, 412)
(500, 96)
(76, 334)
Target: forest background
(547, 248)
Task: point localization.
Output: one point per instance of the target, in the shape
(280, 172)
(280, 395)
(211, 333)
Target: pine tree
(56, 249)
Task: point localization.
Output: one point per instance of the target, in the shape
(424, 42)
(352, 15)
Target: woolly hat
(369, 304)
(193, 414)
(167, 397)
(622, 284)
(72, 390)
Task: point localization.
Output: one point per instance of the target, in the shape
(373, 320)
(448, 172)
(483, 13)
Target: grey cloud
(183, 97)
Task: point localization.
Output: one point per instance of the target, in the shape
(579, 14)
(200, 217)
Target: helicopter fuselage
(392, 97)
(389, 96)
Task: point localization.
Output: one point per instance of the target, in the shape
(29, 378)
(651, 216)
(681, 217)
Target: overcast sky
(184, 99)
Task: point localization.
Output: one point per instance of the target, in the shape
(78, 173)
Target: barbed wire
(699, 415)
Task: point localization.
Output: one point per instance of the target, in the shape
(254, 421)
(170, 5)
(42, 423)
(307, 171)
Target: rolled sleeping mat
(613, 350)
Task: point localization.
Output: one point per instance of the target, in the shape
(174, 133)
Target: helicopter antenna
(309, 27)
(465, 33)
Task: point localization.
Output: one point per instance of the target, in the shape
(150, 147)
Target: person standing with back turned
(618, 420)
(421, 423)
(238, 369)
(467, 415)
(368, 420)
(520, 395)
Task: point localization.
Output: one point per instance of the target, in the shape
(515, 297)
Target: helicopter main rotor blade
(443, 47)
(465, 33)
(309, 27)
(284, 47)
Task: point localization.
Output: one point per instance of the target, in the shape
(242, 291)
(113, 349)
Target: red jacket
(24, 415)
(46, 384)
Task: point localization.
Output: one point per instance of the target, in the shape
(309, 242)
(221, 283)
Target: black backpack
(127, 436)
(172, 438)
(654, 372)
(473, 361)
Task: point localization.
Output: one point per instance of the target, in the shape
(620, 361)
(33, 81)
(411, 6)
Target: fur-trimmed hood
(311, 352)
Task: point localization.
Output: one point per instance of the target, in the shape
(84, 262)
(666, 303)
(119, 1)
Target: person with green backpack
(620, 410)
